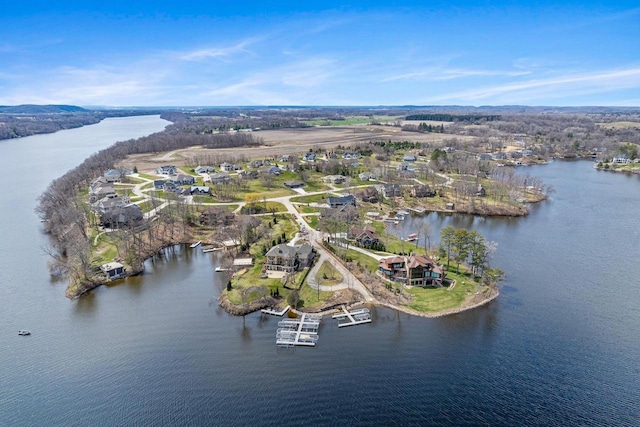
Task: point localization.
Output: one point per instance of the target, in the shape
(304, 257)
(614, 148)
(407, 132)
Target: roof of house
(111, 266)
(342, 200)
(290, 251)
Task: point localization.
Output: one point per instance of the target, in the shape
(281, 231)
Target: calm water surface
(560, 345)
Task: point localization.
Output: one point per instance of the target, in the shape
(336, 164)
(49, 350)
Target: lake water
(561, 345)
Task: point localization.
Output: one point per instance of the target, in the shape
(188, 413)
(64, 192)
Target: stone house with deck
(289, 258)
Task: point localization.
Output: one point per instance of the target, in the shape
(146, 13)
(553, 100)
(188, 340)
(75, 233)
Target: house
(100, 189)
(422, 191)
(128, 215)
(345, 213)
(112, 175)
(167, 170)
(622, 159)
(286, 158)
(351, 155)
(182, 179)
(227, 167)
(499, 156)
(415, 270)
(334, 179)
(404, 166)
(217, 216)
(289, 258)
(484, 157)
(309, 157)
(364, 236)
(113, 270)
(273, 170)
(248, 174)
(409, 158)
(293, 184)
(199, 190)
(109, 203)
(527, 153)
(158, 184)
(480, 191)
(449, 149)
(220, 178)
(391, 190)
(516, 154)
(204, 169)
(255, 164)
(367, 176)
(369, 195)
(335, 202)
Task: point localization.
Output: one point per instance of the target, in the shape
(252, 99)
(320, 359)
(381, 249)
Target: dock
(274, 312)
(208, 249)
(195, 245)
(351, 318)
(302, 331)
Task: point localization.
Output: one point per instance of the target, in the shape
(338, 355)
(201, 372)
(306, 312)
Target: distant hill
(41, 109)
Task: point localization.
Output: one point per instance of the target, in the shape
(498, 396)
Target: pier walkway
(274, 312)
(351, 318)
(302, 331)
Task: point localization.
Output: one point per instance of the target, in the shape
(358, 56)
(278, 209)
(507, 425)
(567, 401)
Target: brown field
(620, 125)
(288, 141)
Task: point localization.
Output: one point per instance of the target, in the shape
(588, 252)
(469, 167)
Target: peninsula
(306, 212)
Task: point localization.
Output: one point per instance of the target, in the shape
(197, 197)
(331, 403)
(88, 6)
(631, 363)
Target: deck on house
(351, 318)
(302, 331)
(275, 312)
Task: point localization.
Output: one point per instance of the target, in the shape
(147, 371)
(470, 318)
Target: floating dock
(274, 312)
(351, 318)
(195, 245)
(302, 331)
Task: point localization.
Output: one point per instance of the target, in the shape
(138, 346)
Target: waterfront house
(499, 156)
(484, 156)
(391, 190)
(364, 236)
(109, 203)
(422, 191)
(113, 270)
(369, 195)
(335, 202)
(309, 157)
(217, 216)
(622, 159)
(125, 216)
(289, 258)
(414, 270)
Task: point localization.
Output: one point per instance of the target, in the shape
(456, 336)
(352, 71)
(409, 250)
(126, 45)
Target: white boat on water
(24, 332)
(411, 237)
(219, 269)
(195, 245)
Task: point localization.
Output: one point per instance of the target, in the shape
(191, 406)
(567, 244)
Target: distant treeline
(443, 117)
(19, 125)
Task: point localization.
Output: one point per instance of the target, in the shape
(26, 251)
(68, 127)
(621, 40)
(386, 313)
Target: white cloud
(219, 52)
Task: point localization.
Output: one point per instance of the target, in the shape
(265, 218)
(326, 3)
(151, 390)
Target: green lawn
(315, 198)
(430, 300)
(328, 275)
(312, 220)
(147, 176)
(145, 206)
(370, 263)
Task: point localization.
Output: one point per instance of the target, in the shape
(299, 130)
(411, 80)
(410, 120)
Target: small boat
(219, 269)
(411, 237)
(24, 332)
(195, 245)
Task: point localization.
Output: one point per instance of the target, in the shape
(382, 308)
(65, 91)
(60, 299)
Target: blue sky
(320, 53)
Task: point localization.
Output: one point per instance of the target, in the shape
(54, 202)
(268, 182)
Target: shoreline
(237, 310)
